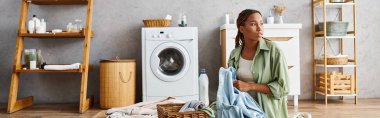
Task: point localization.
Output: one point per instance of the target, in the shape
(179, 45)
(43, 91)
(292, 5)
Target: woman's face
(253, 28)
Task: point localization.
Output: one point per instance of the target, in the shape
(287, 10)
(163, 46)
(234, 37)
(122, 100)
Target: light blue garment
(231, 103)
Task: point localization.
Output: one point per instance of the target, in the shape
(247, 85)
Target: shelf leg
(356, 99)
(84, 102)
(325, 99)
(14, 104)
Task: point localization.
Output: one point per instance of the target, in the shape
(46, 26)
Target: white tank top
(244, 73)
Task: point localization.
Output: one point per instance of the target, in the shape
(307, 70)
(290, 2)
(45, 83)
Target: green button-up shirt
(270, 64)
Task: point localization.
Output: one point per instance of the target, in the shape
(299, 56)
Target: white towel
(192, 106)
(149, 109)
(62, 67)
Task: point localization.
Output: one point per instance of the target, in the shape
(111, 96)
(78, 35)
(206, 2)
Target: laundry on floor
(62, 67)
(232, 103)
(140, 110)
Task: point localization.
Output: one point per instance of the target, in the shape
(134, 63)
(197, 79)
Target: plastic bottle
(42, 27)
(69, 27)
(203, 87)
(37, 22)
(31, 26)
(43, 24)
(184, 21)
(227, 18)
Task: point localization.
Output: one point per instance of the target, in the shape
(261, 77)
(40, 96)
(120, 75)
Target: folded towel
(62, 67)
(197, 105)
(192, 104)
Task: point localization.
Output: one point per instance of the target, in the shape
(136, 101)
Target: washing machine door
(170, 61)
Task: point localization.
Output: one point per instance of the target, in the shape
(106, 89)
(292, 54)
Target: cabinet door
(290, 49)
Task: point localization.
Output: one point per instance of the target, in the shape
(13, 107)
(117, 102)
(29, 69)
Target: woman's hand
(244, 86)
(252, 86)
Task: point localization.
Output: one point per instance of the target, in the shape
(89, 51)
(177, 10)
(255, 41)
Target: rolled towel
(62, 67)
(192, 104)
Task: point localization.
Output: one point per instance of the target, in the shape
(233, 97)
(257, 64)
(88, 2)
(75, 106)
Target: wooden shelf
(319, 3)
(320, 33)
(57, 35)
(59, 2)
(336, 66)
(19, 69)
(321, 93)
(336, 37)
(350, 35)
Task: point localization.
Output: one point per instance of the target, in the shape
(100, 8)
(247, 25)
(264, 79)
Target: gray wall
(117, 25)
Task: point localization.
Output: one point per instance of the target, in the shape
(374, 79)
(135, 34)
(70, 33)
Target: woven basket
(334, 28)
(117, 83)
(157, 23)
(171, 111)
(334, 61)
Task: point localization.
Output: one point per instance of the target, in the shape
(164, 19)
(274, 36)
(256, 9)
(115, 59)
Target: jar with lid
(78, 25)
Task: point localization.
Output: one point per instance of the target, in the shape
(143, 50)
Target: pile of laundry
(149, 109)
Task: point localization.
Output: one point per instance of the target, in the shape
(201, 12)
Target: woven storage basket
(171, 111)
(334, 28)
(157, 23)
(117, 83)
(334, 61)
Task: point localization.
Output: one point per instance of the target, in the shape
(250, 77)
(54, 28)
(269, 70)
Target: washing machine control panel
(162, 35)
(172, 33)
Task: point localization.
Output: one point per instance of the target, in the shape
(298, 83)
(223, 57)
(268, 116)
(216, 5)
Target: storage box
(337, 83)
(171, 111)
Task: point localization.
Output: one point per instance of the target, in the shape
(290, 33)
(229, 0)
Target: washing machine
(170, 63)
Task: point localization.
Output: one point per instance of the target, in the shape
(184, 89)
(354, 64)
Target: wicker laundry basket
(171, 111)
(117, 83)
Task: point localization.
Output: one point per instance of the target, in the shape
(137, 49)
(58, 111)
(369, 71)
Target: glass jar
(30, 58)
(78, 25)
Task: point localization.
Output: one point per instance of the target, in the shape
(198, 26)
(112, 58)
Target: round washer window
(171, 61)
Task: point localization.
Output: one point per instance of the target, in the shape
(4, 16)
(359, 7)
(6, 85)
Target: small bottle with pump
(33, 24)
(203, 87)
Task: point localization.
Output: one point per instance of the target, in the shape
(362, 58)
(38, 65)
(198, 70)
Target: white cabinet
(287, 38)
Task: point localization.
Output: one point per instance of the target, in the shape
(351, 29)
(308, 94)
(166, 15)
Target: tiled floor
(367, 108)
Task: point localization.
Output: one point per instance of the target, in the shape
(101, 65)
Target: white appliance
(286, 37)
(170, 63)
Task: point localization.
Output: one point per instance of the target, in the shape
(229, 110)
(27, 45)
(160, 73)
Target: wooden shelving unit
(81, 35)
(325, 89)
(85, 102)
(19, 69)
(59, 2)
